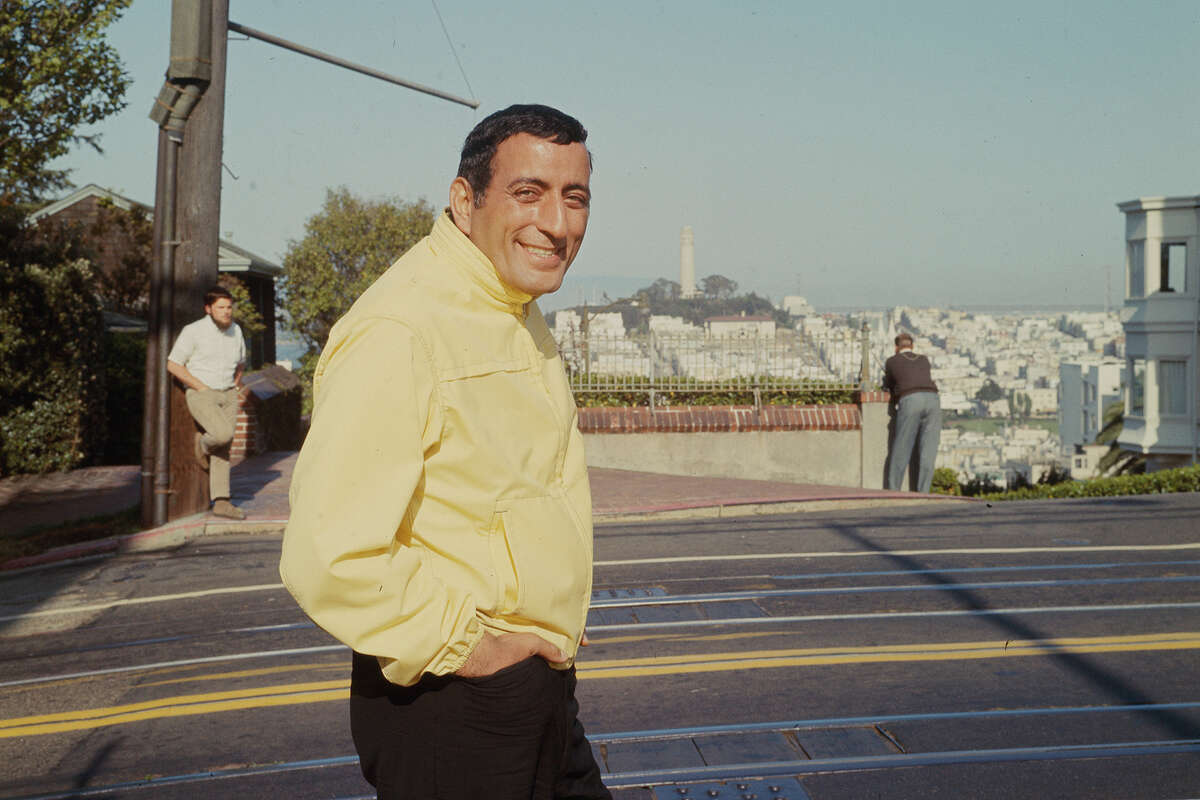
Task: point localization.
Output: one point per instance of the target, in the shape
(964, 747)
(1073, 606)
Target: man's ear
(462, 203)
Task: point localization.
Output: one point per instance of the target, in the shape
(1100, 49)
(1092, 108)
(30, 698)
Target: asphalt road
(1034, 650)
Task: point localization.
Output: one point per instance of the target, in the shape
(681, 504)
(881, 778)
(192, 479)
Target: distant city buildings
(797, 306)
(741, 327)
(1041, 364)
(1021, 354)
(1086, 389)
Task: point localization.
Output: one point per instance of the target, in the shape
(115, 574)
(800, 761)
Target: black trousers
(514, 735)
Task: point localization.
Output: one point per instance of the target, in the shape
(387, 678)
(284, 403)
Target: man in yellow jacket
(441, 516)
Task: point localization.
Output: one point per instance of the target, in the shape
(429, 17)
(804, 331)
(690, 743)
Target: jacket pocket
(541, 560)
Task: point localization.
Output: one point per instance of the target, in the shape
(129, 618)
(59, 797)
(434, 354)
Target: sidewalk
(260, 485)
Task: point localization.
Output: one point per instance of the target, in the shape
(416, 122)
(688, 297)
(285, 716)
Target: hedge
(1181, 479)
(52, 414)
(616, 391)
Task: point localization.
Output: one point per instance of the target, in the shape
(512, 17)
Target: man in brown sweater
(917, 415)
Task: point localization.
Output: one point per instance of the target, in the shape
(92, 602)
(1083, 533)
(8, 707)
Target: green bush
(45, 437)
(124, 378)
(1182, 479)
(52, 413)
(693, 392)
(945, 481)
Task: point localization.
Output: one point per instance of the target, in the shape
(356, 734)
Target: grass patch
(47, 537)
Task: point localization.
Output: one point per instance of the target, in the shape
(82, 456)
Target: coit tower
(687, 262)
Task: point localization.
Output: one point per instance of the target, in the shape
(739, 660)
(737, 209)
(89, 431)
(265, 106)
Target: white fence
(658, 362)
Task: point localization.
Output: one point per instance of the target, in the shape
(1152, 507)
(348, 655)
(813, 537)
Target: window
(1172, 387)
(1137, 386)
(1137, 268)
(1173, 267)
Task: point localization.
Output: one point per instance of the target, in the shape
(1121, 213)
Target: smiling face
(534, 213)
(221, 312)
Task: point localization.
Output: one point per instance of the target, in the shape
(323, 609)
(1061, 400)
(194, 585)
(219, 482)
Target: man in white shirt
(208, 359)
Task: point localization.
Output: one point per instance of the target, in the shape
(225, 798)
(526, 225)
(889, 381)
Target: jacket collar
(447, 239)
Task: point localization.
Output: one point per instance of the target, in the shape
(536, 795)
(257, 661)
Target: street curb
(767, 508)
(247, 526)
(186, 529)
(164, 537)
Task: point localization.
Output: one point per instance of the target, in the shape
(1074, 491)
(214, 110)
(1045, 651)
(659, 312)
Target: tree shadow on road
(1121, 690)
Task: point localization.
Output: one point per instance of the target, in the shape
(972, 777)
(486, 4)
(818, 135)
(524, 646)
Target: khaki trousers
(216, 412)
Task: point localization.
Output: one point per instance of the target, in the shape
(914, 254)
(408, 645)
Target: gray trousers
(216, 412)
(918, 422)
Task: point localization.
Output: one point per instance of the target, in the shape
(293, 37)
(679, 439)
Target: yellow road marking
(248, 673)
(823, 656)
(179, 705)
(316, 692)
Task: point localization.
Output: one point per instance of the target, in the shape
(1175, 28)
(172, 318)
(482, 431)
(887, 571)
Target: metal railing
(660, 366)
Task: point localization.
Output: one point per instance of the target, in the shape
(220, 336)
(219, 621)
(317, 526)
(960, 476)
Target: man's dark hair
(904, 340)
(216, 293)
(480, 146)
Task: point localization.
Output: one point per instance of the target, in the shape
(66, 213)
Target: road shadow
(262, 473)
(1120, 690)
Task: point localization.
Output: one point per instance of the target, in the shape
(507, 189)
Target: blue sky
(859, 153)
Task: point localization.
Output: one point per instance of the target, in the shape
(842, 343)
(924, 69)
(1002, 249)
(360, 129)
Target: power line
(453, 52)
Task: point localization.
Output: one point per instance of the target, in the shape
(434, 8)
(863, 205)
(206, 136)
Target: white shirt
(209, 353)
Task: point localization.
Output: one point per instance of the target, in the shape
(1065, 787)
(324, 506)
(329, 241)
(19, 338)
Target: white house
(1085, 389)
(756, 326)
(672, 326)
(1161, 318)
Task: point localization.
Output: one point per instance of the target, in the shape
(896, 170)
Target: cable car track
(765, 770)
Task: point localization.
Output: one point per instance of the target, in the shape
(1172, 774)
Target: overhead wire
(453, 52)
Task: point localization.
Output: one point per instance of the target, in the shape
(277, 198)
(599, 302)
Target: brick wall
(248, 436)
(834, 445)
(709, 419)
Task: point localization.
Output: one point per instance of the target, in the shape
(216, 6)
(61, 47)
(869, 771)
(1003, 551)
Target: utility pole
(190, 112)
(197, 224)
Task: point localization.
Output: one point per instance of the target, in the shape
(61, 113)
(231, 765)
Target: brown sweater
(905, 373)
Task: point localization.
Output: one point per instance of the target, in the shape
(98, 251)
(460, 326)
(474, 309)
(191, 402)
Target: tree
(718, 287)
(244, 312)
(346, 246)
(659, 293)
(1117, 461)
(126, 289)
(57, 73)
(52, 390)
(1020, 405)
(989, 392)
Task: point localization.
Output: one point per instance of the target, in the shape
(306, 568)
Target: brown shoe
(199, 451)
(224, 508)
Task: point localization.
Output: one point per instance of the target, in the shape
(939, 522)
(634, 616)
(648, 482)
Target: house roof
(1160, 203)
(230, 257)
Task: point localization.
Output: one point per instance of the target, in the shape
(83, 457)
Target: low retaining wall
(268, 414)
(834, 445)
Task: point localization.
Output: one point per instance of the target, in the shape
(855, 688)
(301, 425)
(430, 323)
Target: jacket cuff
(451, 659)
(459, 651)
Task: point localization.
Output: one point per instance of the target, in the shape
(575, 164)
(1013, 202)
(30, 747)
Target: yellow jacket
(442, 490)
